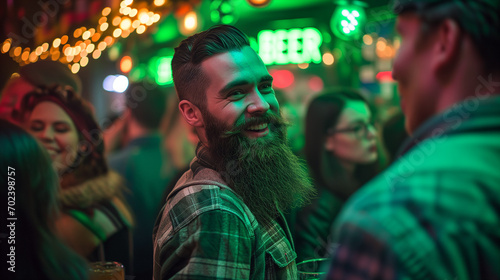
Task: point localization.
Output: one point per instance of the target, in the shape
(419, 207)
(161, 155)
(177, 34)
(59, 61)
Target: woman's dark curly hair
(90, 161)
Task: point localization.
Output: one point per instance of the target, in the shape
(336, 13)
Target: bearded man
(223, 219)
(435, 212)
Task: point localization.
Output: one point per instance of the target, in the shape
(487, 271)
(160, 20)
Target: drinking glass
(106, 271)
(312, 269)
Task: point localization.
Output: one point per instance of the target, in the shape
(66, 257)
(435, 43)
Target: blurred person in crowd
(31, 184)
(435, 212)
(295, 130)
(115, 134)
(95, 220)
(146, 167)
(180, 137)
(187, 140)
(295, 140)
(394, 134)
(341, 152)
(40, 73)
(223, 218)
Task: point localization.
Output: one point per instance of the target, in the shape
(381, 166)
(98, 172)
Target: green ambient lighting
(292, 46)
(160, 68)
(167, 30)
(164, 68)
(347, 21)
(223, 11)
(138, 73)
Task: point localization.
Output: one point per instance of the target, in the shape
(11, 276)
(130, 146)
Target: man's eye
(267, 87)
(236, 94)
(358, 127)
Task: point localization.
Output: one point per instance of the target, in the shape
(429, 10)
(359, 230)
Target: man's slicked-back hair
(189, 80)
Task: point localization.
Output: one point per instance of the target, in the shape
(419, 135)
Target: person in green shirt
(435, 212)
(145, 165)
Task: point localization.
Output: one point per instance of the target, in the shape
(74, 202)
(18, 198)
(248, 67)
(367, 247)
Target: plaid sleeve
(215, 245)
(361, 256)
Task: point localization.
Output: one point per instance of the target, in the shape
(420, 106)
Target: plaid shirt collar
(203, 159)
(453, 121)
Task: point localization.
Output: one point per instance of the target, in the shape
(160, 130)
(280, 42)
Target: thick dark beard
(264, 172)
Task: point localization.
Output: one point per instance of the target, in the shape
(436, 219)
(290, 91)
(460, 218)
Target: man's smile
(257, 130)
(258, 127)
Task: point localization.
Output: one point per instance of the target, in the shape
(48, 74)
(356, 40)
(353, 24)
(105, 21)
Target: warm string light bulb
(259, 3)
(189, 24)
(159, 3)
(93, 40)
(6, 46)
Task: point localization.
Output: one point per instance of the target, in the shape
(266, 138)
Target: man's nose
(257, 104)
(371, 131)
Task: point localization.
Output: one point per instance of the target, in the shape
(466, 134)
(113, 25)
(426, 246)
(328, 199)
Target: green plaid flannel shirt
(434, 213)
(205, 231)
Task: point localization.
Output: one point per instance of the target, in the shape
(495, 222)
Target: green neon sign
(164, 66)
(223, 11)
(347, 21)
(290, 46)
(160, 68)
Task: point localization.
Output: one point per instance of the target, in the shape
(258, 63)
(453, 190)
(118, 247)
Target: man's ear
(448, 44)
(191, 113)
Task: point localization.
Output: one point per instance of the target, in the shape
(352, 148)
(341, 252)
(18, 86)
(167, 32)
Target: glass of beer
(106, 271)
(312, 269)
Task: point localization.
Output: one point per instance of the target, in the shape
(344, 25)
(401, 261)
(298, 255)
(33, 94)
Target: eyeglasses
(360, 130)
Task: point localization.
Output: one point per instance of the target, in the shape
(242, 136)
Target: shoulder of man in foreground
(406, 221)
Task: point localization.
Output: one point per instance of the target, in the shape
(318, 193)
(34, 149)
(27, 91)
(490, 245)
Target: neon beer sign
(290, 46)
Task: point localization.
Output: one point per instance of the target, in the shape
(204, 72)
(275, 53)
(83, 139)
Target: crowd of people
(250, 204)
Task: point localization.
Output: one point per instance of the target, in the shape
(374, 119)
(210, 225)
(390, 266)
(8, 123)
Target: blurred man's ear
(448, 43)
(191, 113)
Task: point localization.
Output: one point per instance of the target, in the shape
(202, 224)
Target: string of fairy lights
(84, 43)
(89, 42)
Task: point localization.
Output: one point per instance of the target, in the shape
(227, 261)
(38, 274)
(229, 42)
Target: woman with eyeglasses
(341, 151)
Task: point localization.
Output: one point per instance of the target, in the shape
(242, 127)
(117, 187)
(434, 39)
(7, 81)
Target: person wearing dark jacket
(146, 166)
